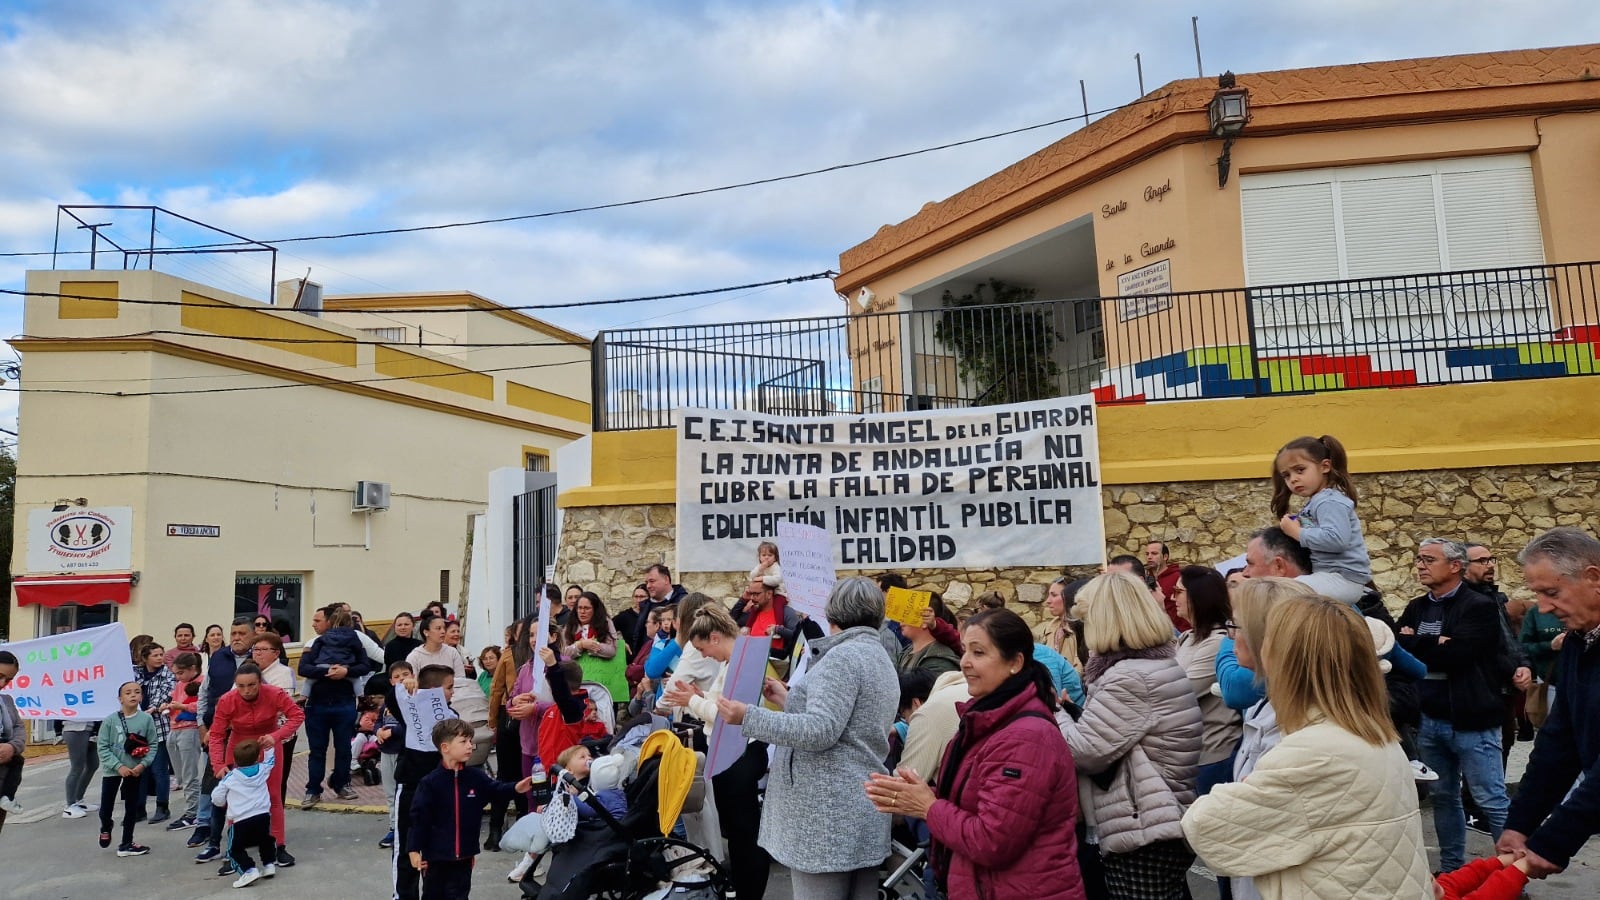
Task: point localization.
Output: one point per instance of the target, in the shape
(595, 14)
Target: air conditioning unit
(371, 496)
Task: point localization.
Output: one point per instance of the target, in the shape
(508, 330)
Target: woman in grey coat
(832, 732)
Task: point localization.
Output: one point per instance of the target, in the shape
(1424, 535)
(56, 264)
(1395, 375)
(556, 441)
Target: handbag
(561, 818)
(135, 745)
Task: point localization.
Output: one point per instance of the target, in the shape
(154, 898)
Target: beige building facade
(237, 433)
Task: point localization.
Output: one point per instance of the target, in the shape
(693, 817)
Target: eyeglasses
(1481, 559)
(262, 622)
(263, 650)
(1429, 560)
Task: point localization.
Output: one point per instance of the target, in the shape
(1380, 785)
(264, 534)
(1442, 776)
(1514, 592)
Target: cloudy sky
(296, 117)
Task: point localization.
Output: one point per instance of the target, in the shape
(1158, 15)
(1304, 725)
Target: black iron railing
(1478, 325)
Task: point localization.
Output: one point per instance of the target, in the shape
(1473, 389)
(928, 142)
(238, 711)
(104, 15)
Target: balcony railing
(1479, 325)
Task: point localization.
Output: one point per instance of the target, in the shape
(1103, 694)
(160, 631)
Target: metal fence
(533, 546)
(1478, 325)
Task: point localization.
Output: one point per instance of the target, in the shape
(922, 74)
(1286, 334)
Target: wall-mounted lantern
(1229, 111)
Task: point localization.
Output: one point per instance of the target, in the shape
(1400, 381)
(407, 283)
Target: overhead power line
(141, 301)
(679, 195)
(326, 382)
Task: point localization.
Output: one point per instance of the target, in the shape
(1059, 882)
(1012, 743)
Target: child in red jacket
(1496, 878)
(574, 718)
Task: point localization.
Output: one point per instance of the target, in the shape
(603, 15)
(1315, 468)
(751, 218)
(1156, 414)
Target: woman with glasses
(263, 625)
(267, 652)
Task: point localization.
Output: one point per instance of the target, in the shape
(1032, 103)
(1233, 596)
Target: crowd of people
(1274, 722)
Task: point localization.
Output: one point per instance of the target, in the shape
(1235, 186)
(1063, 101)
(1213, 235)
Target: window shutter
(1289, 234)
(1491, 219)
(1390, 226)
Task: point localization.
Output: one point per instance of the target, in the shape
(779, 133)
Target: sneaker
(310, 801)
(132, 850)
(162, 814)
(285, 861)
(10, 805)
(180, 823)
(269, 870)
(86, 806)
(348, 793)
(387, 841)
(199, 837)
(105, 838)
(1421, 772)
(1478, 824)
(74, 812)
(226, 869)
(207, 855)
(515, 875)
(248, 878)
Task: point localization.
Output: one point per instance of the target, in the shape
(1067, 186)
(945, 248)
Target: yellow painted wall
(75, 307)
(1445, 427)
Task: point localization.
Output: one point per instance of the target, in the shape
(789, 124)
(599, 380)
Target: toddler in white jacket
(246, 792)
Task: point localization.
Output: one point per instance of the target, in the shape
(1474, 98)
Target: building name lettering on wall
(878, 346)
(1158, 192)
(1148, 249)
(1110, 209)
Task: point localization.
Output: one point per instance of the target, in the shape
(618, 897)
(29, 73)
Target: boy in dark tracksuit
(447, 814)
(409, 770)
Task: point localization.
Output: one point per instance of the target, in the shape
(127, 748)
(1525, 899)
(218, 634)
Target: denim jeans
(1457, 755)
(338, 718)
(157, 779)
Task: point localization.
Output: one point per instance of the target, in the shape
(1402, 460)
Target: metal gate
(533, 546)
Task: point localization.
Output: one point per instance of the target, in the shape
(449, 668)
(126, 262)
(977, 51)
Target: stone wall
(607, 549)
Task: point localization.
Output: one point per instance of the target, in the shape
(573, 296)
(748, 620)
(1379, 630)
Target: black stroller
(627, 858)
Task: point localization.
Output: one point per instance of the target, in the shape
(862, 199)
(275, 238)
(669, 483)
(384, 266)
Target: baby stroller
(364, 768)
(627, 858)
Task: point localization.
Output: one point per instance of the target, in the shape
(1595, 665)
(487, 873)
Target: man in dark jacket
(1479, 575)
(1455, 632)
(658, 584)
(332, 665)
(1551, 820)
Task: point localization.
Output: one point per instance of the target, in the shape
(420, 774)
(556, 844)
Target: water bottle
(540, 794)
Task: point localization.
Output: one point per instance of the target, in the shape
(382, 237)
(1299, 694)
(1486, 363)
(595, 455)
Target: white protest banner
(73, 675)
(544, 638)
(747, 671)
(420, 712)
(984, 487)
(806, 554)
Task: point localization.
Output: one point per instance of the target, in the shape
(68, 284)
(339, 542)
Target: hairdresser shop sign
(74, 675)
(81, 539)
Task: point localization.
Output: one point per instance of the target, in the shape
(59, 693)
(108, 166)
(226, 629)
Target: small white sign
(420, 712)
(81, 539)
(806, 554)
(1134, 290)
(194, 531)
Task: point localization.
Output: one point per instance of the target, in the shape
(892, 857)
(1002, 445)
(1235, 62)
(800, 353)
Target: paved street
(45, 857)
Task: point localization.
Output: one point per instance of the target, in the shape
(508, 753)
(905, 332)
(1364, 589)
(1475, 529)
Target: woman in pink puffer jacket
(1006, 806)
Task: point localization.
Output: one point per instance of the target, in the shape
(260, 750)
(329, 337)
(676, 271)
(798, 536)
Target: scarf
(959, 745)
(1100, 663)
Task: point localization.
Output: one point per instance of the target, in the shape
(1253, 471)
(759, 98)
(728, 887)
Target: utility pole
(94, 239)
(1194, 25)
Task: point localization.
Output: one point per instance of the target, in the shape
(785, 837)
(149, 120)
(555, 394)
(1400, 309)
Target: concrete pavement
(45, 857)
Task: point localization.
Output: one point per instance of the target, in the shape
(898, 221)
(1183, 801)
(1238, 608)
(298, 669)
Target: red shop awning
(87, 589)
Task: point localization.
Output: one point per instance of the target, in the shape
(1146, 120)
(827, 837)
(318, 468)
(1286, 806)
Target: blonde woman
(1137, 744)
(1331, 811)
